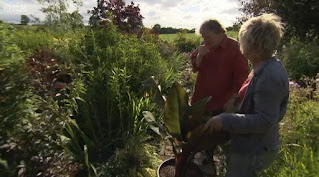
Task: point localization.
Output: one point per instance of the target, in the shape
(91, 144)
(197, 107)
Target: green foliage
(11, 91)
(75, 106)
(184, 44)
(110, 110)
(58, 18)
(233, 34)
(169, 30)
(77, 100)
(33, 111)
(136, 159)
(300, 16)
(300, 148)
(301, 59)
(24, 20)
(29, 40)
(182, 123)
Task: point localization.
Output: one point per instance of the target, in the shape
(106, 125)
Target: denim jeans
(241, 165)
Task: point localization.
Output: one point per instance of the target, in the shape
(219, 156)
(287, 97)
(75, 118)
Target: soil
(219, 159)
(169, 171)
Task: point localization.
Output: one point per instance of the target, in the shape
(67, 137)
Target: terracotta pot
(169, 165)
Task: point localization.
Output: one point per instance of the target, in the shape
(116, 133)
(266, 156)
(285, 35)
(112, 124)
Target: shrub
(300, 148)
(69, 108)
(28, 41)
(112, 67)
(33, 110)
(185, 44)
(126, 17)
(301, 59)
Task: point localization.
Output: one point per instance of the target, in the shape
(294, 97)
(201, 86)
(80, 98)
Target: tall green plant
(182, 123)
(112, 66)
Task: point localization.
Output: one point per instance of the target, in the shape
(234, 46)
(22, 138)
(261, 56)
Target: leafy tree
(24, 20)
(169, 30)
(57, 16)
(157, 28)
(192, 30)
(75, 19)
(301, 16)
(125, 17)
(235, 27)
(35, 20)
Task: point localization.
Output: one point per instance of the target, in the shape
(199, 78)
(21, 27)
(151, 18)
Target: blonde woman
(255, 139)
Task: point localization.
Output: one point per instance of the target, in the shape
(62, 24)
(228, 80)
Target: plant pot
(167, 169)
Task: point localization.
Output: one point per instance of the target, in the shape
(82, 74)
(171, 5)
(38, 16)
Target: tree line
(169, 30)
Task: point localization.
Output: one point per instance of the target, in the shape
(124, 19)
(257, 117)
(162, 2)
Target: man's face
(211, 38)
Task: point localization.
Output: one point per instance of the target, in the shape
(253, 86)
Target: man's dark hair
(213, 25)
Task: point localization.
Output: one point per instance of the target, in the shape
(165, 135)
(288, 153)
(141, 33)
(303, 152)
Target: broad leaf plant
(183, 123)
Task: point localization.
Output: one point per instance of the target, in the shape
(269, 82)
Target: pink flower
(292, 83)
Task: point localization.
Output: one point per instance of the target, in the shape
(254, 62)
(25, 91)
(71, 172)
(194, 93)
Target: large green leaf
(175, 108)
(153, 89)
(194, 115)
(199, 106)
(148, 116)
(155, 126)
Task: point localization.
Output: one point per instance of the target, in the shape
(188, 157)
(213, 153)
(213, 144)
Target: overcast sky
(168, 13)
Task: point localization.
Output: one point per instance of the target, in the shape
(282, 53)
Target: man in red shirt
(221, 67)
(221, 70)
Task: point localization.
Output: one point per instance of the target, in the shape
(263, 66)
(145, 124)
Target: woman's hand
(214, 124)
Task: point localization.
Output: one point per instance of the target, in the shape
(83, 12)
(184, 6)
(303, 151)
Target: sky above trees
(168, 13)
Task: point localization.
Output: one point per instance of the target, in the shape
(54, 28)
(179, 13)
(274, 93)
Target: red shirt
(221, 74)
(242, 90)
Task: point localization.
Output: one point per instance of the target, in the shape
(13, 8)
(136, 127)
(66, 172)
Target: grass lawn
(172, 37)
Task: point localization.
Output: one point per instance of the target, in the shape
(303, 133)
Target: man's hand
(232, 104)
(202, 51)
(214, 124)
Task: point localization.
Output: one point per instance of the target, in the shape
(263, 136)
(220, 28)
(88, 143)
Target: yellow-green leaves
(154, 91)
(179, 118)
(155, 126)
(175, 108)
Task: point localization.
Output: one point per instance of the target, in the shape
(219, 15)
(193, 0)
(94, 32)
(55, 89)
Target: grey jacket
(256, 126)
